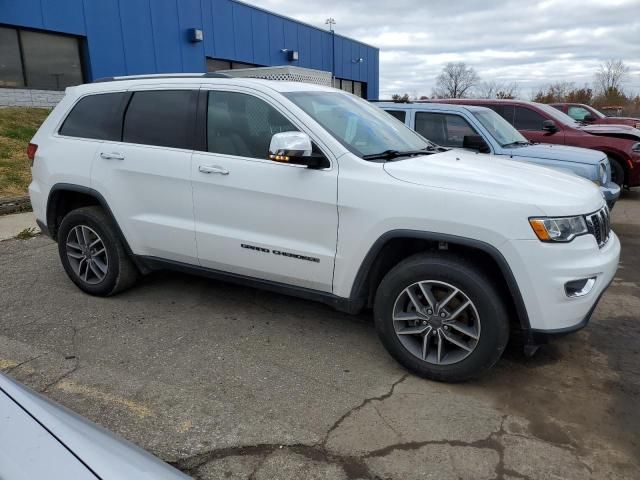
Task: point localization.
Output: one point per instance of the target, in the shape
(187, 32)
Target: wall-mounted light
(358, 60)
(292, 55)
(195, 35)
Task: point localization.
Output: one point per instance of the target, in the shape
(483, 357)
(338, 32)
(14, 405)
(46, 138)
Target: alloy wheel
(436, 322)
(87, 254)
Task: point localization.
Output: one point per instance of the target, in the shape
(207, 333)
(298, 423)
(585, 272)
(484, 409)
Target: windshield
(594, 112)
(557, 115)
(358, 125)
(499, 128)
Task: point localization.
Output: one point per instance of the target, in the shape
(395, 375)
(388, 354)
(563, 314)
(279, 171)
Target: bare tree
(610, 76)
(501, 90)
(455, 81)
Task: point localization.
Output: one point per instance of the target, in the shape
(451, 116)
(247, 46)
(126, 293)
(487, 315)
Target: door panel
(148, 187)
(258, 217)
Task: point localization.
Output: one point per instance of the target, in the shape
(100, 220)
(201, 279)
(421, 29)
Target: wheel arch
(397, 245)
(64, 197)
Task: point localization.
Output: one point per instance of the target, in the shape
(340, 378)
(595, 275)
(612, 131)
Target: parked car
(588, 114)
(40, 439)
(542, 123)
(311, 191)
(482, 130)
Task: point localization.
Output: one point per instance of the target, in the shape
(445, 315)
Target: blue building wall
(128, 37)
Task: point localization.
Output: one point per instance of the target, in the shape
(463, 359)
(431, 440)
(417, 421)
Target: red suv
(588, 114)
(544, 124)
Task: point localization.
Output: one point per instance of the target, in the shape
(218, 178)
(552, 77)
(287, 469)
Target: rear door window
(443, 129)
(527, 119)
(165, 118)
(97, 117)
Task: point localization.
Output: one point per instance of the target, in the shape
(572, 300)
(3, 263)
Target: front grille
(599, 225)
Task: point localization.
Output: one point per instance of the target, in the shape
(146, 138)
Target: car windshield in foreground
(557, 115)
(365, 130)
(500, 129)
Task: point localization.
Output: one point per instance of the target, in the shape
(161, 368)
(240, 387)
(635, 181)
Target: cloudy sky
(531, 42)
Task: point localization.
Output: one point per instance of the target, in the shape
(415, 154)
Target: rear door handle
(112, 156)
(213, 169)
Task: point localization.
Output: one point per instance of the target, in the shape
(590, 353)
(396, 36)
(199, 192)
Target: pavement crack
(73, 356)
(363, 404)
(353, 467)
(15, 367)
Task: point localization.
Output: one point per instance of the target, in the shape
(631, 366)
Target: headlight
(636, 146)
(603, 174)
(562, 229)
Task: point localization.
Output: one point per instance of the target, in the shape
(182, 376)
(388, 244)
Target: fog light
(579, 288)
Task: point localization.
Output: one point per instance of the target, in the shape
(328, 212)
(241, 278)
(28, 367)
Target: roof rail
(391, 101)
(162, 75)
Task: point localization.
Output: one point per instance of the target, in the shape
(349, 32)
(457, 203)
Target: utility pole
(331, 22)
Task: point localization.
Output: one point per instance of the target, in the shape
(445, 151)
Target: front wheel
(617, 172)
(441, 317)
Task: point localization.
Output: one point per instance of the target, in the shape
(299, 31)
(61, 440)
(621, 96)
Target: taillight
(31, 151)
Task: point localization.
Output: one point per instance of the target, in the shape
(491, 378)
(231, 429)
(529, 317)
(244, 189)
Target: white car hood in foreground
(556, 193)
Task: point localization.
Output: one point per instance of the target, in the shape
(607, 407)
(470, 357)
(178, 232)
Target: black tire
(121, 273)
(617, 171)
(477, 286)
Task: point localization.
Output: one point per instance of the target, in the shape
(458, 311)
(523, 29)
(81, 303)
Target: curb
(15, 205)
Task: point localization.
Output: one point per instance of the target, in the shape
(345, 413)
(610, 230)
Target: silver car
(40, 439)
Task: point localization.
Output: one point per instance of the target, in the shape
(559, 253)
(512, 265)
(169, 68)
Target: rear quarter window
(96, 117)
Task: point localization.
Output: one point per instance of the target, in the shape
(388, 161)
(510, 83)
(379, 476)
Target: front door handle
(112, 156)
(213, 169)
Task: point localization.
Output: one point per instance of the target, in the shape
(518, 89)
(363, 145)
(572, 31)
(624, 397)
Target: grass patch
(27, 233)
(17, 127)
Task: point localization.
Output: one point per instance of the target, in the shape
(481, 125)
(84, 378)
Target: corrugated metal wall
(128, 37)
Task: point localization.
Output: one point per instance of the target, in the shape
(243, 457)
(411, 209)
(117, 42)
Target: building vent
(285, 73)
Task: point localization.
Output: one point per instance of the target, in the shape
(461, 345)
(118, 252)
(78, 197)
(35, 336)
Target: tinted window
(160, 117)
(444, 129)
(51, 62)
(527, 119)
(96, 116)
(10, 62)
(399, 114)
(242, 125)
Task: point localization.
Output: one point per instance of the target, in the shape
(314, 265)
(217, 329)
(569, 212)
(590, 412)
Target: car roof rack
(162, 75)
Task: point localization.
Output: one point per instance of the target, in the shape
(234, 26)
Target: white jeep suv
(313, 192)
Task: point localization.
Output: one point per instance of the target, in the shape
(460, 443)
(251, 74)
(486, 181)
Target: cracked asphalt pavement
(225, 381)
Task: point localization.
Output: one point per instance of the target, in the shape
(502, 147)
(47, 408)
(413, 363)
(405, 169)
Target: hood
(625, 131)
(559, 152)
(554, 192)
(634, 122)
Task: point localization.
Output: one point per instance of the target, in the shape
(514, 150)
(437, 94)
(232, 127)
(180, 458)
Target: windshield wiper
(518, 142)
(391, 154)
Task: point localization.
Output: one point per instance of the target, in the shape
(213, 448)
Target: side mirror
(549, 126)
(475, 142)
(589, 118)
(295, 148)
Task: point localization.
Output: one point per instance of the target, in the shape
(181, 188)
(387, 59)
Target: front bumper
(611, 193)
(542, 270)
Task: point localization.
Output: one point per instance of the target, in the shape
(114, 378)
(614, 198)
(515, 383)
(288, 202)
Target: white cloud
(532, 43)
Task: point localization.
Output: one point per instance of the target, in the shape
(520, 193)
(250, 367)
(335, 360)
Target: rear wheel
(441, 317)
(92, 253)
